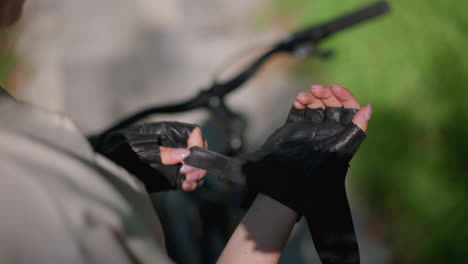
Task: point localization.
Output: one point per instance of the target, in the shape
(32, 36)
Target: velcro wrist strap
(226, 167)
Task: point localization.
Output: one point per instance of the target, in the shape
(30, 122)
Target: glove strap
(226, 167)
(332, 230)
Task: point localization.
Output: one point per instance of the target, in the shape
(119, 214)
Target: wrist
(262, 233)
(265, 202)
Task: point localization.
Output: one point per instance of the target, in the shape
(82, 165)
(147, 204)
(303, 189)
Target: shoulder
(51, 200)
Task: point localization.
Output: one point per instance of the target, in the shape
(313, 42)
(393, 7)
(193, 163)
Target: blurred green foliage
(8, 59)
(7, 62)
(412, 65)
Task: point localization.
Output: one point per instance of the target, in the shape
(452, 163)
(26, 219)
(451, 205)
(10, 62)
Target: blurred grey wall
(100, 60)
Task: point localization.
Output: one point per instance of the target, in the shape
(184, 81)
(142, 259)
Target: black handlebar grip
(317, 33)
(356, 17)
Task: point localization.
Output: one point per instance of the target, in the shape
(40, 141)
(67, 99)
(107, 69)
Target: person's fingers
(298, 105)
(363, 116)
(202, 173)
(303, 99)
(186, 169)
(309, 100)
(193, 176)
(346, 98)
(324, 93)
(189, 186)
(172, 156)
(196, 139)
(191, 179)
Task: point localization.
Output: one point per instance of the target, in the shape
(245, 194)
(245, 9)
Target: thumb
(171, 156)
(362, 117)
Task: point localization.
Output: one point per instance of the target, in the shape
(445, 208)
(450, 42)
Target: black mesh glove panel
(136, 149)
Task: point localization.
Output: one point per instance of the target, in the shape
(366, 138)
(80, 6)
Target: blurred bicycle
(202, 221)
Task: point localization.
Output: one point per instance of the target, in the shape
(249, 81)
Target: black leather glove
(136, 149)
(292, 161)
(303, 165)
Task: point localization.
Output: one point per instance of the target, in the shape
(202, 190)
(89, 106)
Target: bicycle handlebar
(234, 124)
(310, 35)
(320, 32)
(212, 98)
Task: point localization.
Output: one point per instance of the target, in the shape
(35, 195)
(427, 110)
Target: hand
(321, 134)
(317, 115)
(172, 156)
(323, 120)
(304, 163)
(323, 97)
(154, 153)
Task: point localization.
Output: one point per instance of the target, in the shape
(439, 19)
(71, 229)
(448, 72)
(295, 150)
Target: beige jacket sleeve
(56, 209)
